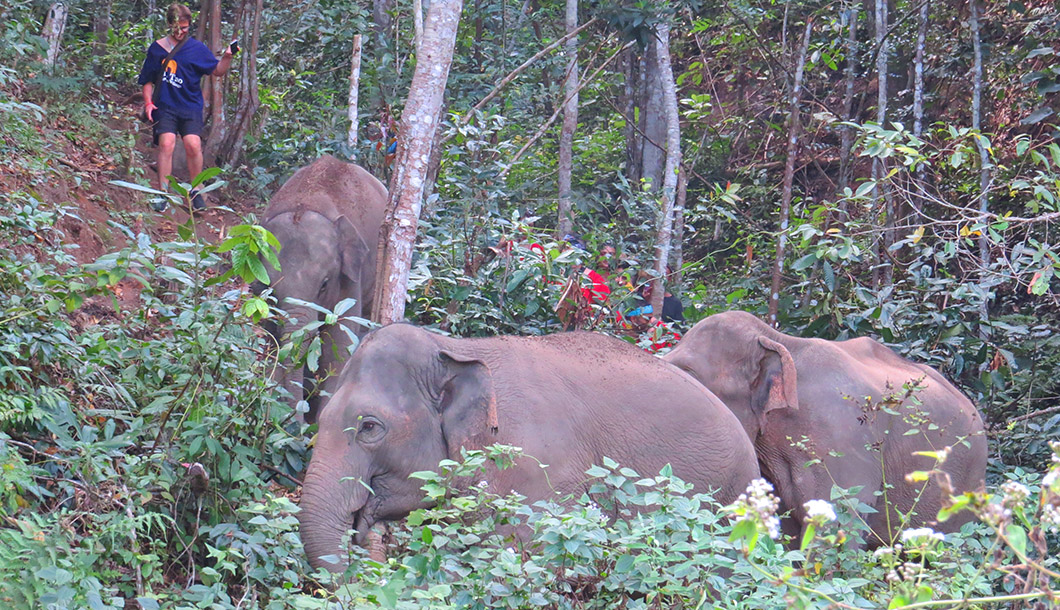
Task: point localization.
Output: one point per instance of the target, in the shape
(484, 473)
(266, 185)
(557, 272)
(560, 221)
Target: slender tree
(663, 241)
(883, 272)
(54, 26)
(419, 122)
(789, 172)
(355, 83)
(984, 155)
(849, 76)
(677, 254)
(101, 27)
(918, 79)
(565, 223)
(247, 100)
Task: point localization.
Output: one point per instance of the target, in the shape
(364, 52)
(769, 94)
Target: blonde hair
(176, 13)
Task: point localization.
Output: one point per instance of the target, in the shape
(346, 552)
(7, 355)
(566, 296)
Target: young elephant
(327, 218)
(843, 403)
(409, 398)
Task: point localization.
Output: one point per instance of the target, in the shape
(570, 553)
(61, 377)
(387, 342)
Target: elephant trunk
(292, 378)
(327, 514)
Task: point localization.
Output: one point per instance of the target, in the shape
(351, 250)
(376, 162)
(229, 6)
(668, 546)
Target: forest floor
(100, 215)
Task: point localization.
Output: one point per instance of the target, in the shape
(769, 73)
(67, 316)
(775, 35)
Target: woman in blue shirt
(180, 103)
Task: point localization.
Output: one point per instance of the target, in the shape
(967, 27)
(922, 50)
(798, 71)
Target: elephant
(822, 412)
(326, 218)
(409, 398)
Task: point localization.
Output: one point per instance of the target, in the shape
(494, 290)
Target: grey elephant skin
(326, 218)
(786, 389)
(409, 398)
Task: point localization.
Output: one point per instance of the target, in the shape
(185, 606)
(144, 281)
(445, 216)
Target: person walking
(177, 107)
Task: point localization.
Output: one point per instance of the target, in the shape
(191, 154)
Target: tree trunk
(652, 117)
(679, 231)
(212, 86)
(984, 159)
(918, 79)
(565, 221)
(417, 24)
(101, 28)
(54, 26)
(419, 122)
(789, 173)
(673, 162)
(355, 83)
(882, 272)
(849, 73)
(152, 8)
(247, 101)
(381, 18)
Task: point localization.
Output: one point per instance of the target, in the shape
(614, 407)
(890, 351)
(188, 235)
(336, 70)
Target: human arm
(225, 63)
(149, 106)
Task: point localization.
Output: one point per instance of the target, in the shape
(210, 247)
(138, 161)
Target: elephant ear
(468, 403)
(355, 254)
(774, 386)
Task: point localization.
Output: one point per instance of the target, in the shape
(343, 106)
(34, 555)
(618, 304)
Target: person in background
(180, 101)
(672, 309)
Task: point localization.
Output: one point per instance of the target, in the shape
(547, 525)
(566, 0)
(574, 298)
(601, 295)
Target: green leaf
(257, 270)
(898, 602)
(864, 189)
(1017, 538)
(1036, 116)
(807, 536)
(804, 262)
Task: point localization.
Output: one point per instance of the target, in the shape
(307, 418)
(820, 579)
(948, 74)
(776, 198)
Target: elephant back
(332, 187)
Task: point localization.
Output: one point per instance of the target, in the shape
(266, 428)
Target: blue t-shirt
(180, 92)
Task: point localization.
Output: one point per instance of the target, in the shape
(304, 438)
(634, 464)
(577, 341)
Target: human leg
(166, 143)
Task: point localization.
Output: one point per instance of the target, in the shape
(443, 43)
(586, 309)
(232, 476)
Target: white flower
(883, 550)
(773, 527)
(925, 533)
(1015, 493)
(483, 484)
(1051, 518)
(1050, 479)
(819, 509)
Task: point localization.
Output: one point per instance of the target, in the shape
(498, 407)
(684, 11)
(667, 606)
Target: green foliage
(646, 542)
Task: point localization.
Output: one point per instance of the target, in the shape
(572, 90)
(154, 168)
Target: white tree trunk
(984, 156)
(355, 83)
(419, 122)
(849, 74)
(417, 24)
(54, 26)
(789, 173)
(673, 161)
(879, 170)
(565, 222)
(918, 79)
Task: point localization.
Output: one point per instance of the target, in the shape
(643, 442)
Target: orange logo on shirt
(171, 67)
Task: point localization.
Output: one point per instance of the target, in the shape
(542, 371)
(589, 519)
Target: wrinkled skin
(408, 398)
(785, 388)
(327, 218)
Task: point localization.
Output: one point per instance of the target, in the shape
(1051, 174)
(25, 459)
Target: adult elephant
(822, 412)
(326, 218)
(409, 398)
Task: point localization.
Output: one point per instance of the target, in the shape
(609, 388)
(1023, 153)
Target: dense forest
(886, 169)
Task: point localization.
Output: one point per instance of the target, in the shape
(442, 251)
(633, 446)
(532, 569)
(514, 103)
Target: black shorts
(167, 121)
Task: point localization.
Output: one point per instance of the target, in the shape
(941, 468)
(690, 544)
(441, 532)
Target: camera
(234, 47)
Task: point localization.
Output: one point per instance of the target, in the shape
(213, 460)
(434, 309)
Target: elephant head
(326, 218)
(403, 404)
(743, 362)
(320, 262)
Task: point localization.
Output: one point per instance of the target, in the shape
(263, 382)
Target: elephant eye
(370, 430)
(324, 285)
